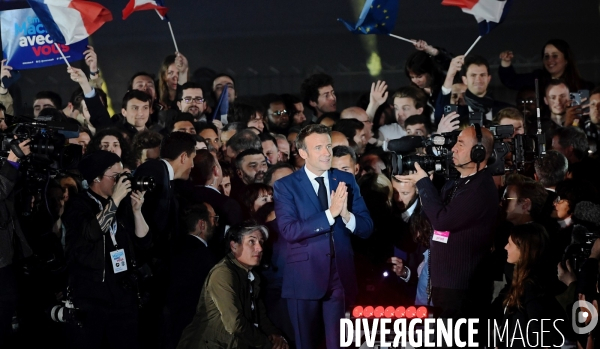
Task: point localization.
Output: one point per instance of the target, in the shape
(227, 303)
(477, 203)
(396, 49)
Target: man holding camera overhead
(463, 218)
(104, 226)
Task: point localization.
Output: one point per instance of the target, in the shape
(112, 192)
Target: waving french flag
(70, 21)
(488, 13)
(141, 5)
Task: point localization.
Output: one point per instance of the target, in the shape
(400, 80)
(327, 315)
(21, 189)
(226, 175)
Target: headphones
(478, 151)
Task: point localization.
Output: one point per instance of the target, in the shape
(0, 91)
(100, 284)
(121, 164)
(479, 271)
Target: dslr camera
(141, 183)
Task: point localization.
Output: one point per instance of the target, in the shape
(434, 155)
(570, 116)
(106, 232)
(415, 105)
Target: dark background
(271, 46)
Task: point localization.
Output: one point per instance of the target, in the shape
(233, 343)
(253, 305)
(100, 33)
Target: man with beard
(278, 116)
(191, 263)
(251, 166)
(476, 75)
(191, 100)
(318, 93)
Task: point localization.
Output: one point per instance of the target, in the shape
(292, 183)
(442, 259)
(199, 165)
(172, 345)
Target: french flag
(488, 13)
(70, 21)
(141, 5)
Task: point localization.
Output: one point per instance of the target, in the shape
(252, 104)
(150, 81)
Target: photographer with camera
(13, 245)
(463, 218)
(104, 226)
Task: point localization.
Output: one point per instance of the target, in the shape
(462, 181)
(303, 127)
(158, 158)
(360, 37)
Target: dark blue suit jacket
(304, 225)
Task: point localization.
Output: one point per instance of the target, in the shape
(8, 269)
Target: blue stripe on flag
(43, 13)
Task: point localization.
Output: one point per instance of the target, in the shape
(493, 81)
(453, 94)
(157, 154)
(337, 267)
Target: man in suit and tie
(318, 209)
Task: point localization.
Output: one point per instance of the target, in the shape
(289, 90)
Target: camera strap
(113, 228)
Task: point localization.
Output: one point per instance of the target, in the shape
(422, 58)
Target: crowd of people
(184, 226)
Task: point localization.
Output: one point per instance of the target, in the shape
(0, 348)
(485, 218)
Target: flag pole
(401, 38)
(170, 29)
(62, 54)
(475, 43)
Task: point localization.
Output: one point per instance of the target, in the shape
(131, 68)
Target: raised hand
(91, 59)
(379, 93)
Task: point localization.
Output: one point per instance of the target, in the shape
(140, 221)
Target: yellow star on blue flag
(377, 17)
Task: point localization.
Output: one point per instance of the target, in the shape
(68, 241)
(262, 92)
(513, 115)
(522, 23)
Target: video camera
(585, 232)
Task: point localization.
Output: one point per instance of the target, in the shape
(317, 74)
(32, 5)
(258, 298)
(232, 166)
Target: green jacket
(224, 317)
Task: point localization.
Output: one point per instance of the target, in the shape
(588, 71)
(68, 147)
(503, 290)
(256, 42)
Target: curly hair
(127, 157)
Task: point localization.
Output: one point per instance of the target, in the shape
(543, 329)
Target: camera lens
(144, 183)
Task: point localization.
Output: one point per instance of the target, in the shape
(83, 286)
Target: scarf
(479, 104)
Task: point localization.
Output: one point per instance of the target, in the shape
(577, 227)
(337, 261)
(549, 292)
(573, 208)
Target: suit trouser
(8, 302)
(308, 315)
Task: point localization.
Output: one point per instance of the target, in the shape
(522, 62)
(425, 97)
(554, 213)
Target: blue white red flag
(488, 13)
(141, 5)
(70, 21)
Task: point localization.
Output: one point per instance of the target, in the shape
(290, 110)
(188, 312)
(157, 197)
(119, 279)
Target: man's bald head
(487, 139)
(338, 138)
(361, 115)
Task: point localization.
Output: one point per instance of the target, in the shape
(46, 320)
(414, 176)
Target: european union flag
(377, 17)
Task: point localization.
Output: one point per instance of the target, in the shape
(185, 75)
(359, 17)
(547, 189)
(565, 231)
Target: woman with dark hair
(526, 298)
(173, 73)
(425, 73)
(247, 113)
(255, 196)
(559, 63)
(112, 140)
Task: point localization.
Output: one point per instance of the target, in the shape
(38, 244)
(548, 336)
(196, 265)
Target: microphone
(405, 144)
(461, 165)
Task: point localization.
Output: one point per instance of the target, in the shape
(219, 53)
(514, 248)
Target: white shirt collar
(201, 239)
(551, 189)
(312, 176)
(213, 188)
(170, 169)
(406, 214)
(565, 222)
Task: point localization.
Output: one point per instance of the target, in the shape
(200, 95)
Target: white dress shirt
(351, 224)
(170, 169)
(201, 239)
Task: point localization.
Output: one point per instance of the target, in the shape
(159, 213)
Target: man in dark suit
(160, 211)
(177, 153)
(206, 178)
(192, 260)
(317, 210)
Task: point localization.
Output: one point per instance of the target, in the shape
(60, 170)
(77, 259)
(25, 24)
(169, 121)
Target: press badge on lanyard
(117, 256)
(441, 236)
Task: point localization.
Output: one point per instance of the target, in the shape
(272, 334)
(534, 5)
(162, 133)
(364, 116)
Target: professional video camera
(525, 149)
(585, 232)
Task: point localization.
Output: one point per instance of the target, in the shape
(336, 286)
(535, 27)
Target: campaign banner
(27, 45)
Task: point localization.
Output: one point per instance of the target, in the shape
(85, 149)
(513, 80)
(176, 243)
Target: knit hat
(94, 164)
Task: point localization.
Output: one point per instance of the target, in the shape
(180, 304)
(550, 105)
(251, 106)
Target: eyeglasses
(189, 100)
(279, 112)
(216, 218)
(505, 198)
(114, 177)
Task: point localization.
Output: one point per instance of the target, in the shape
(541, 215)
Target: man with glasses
(278, 116)
(318, 93)
(192, 100)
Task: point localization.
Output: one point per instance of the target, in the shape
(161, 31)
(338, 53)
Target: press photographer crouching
(13, 245)
(104, 227)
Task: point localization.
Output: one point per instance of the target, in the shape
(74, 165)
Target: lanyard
(113, 228)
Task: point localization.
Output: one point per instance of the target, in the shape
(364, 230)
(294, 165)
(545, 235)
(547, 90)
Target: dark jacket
(469, 217)
(224, 317)
(191, 263)
(88, 250)
(13, 244)
(535, 304)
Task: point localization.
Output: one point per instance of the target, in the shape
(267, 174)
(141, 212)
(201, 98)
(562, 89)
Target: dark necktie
(322, 193)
